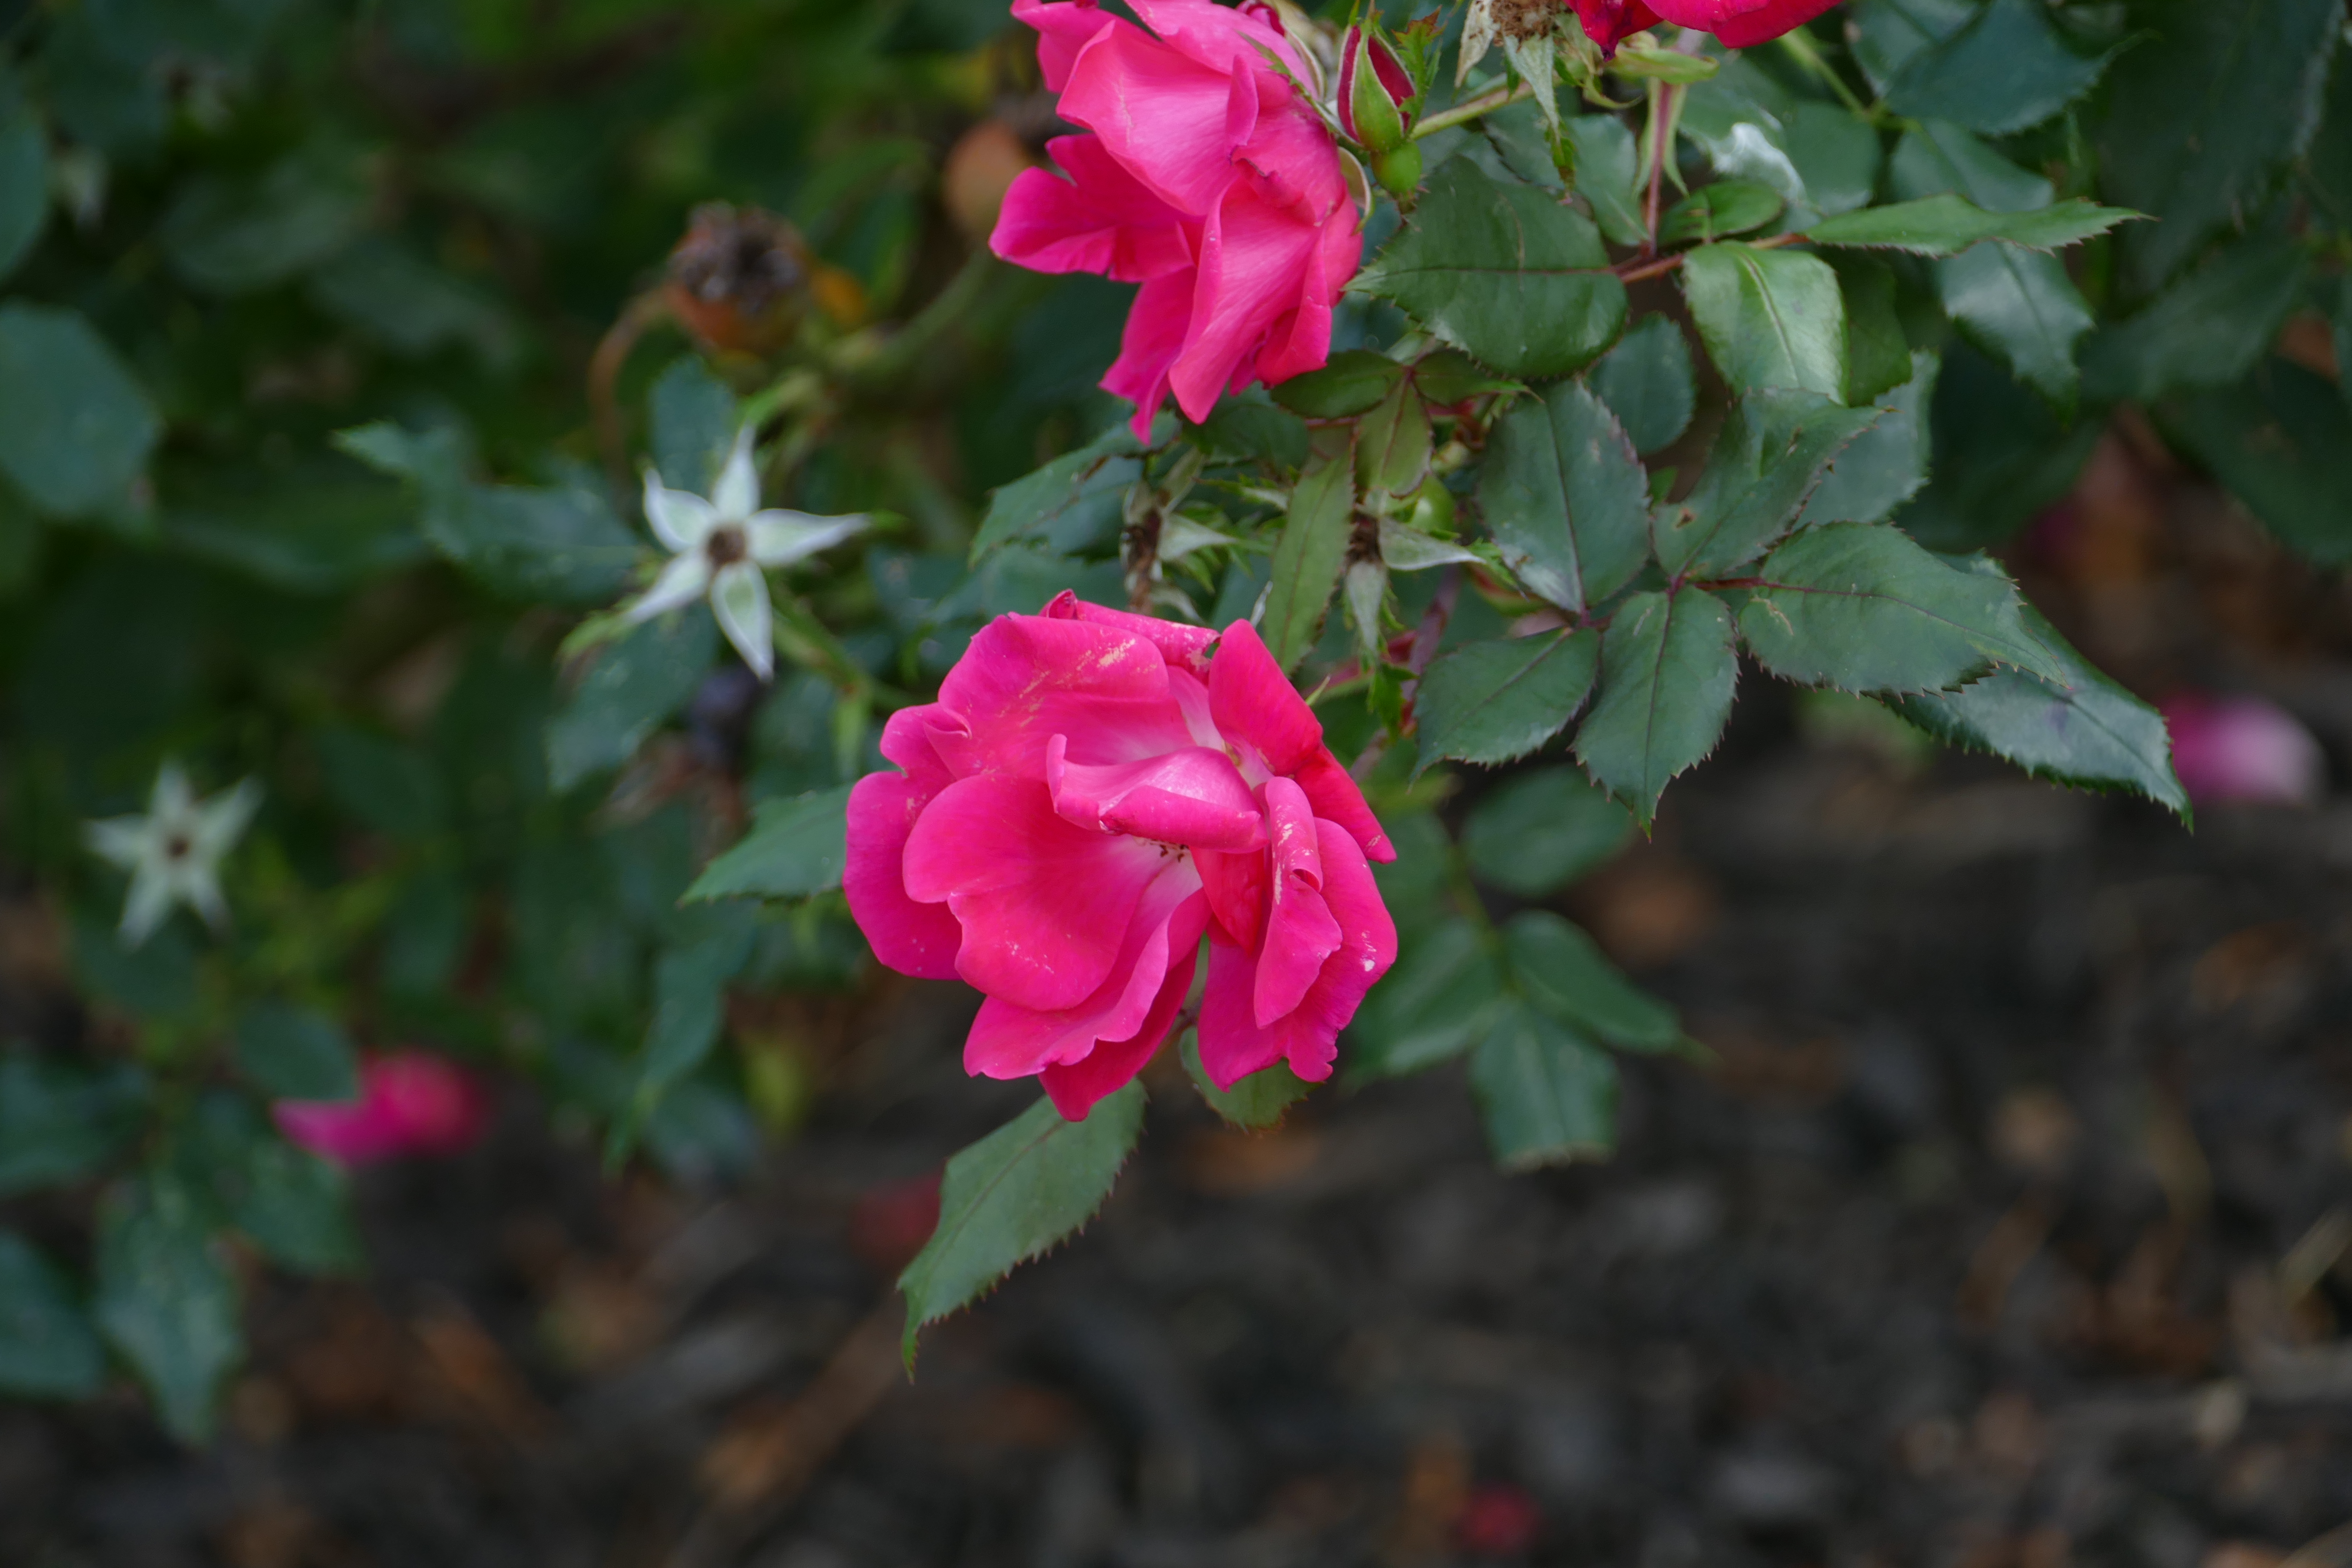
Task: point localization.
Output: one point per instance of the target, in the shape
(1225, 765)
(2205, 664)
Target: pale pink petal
(917, 939)
(1253, 254)
(1186, 647)
(1099, 220)
(1189, 796)
(1011, 1041)
(1160, 113)
(1044, 904)
(1300, 931)
(1076, 1086)
(1064, 28)
(1148, 348)
(1027, 679)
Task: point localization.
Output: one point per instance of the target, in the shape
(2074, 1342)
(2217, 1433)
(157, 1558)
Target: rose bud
(1374, 91)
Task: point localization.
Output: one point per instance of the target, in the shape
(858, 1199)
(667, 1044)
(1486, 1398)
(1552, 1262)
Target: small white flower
(721, 547)
(173, 853)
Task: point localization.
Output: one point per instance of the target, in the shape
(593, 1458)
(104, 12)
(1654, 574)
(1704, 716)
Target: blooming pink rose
(1739, 22)
(410, 1102)
(1204, 178)
(2243, 749)
(1092, 793)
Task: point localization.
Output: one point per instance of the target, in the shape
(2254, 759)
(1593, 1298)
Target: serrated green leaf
(2203, 117)
(1647, 381)
(1448, 376)
(1666, 676)
(2082, 730)
(2278, 440)
(1492, 701)
(630, 692)
(796, 847)
(62, 1122)
(1548, 1095)
(1073, 504)
(2008, 68)
(1258, 1100)
(1502, 272)
(1886, 34)
(1887, 463)
(76, 429)
(1446, 983)
(1607, 173)
(1537, 831)
(48, 1348)
(1768, 318)
(1998, 458)
(1352, 382)
(1243, 429)
(1861, 607)
(1307, 561)
(1012, 1196)
(1947, 225)
(297, 1208)
(1718, 211)
(293, 1053)
(690, 982)
(1393, 443)
(1566, 498)
(1877, 352)
(1564, 974)
(1768, 460)
(166, 1300)
(2206, 330)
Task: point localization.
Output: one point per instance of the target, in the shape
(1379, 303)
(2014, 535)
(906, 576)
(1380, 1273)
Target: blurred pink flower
(410, 1102)
(1093, 792)
(2243, 749)
(1204, 178)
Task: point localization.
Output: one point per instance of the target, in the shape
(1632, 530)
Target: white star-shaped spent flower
(174, 852)
(722, 547)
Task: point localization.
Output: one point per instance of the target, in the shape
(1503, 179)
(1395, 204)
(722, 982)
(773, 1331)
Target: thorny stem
(1462, 113)
(1665, 108)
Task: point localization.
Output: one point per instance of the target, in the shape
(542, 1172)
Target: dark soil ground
(2007, 1229)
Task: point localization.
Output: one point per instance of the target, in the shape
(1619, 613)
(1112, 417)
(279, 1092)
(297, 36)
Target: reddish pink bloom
(1739, 22)
(1202, 177)
(1092, 793)
(2243, 749)
(1609, 23)
(410, 1102)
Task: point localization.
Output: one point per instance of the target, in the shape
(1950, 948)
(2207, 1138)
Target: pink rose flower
(1739, 22)
(1092, 793)
(2243, 749)
(410, 1102)
(1203, 178)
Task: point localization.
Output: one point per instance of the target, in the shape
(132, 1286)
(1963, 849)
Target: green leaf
(1768, 318)
(48, 1348)
(166, 1300)
(1647, 381)
(1936, 157)
(2203, 119)
(796, 847)
(1886, 34)
(228, 235)
(1861, 607)
(1415, 885)
(293, 1053)
(1819, 156)
(690, 1003)
(2007, 68)
(1887, 463)
(1013, 1195)
(1563, 972)
(1768, 458)
(1430, 1006)
(629, 692)
(1877, 352)
(382, 784)
(2279, 441)
(1352, 382)
(1258, 1100)
(1307, 561)
(1448, 376)
(1998, 458)
(406, 304)
(74, 428)
(1247, 429)
(1073, 504)
(693, 425)
(1492, 701)
(1718, 211)
(1947, 225)
(1607, 173)
(24, 174)
(155, 980)
(1666, 674)
(2206, 330)
(2082, 729)
(59, 1123)
(1502, 272)
(293, 1205)
(1549, 1094)
(1393, 443)
(1537, 831)
(1566, 498)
